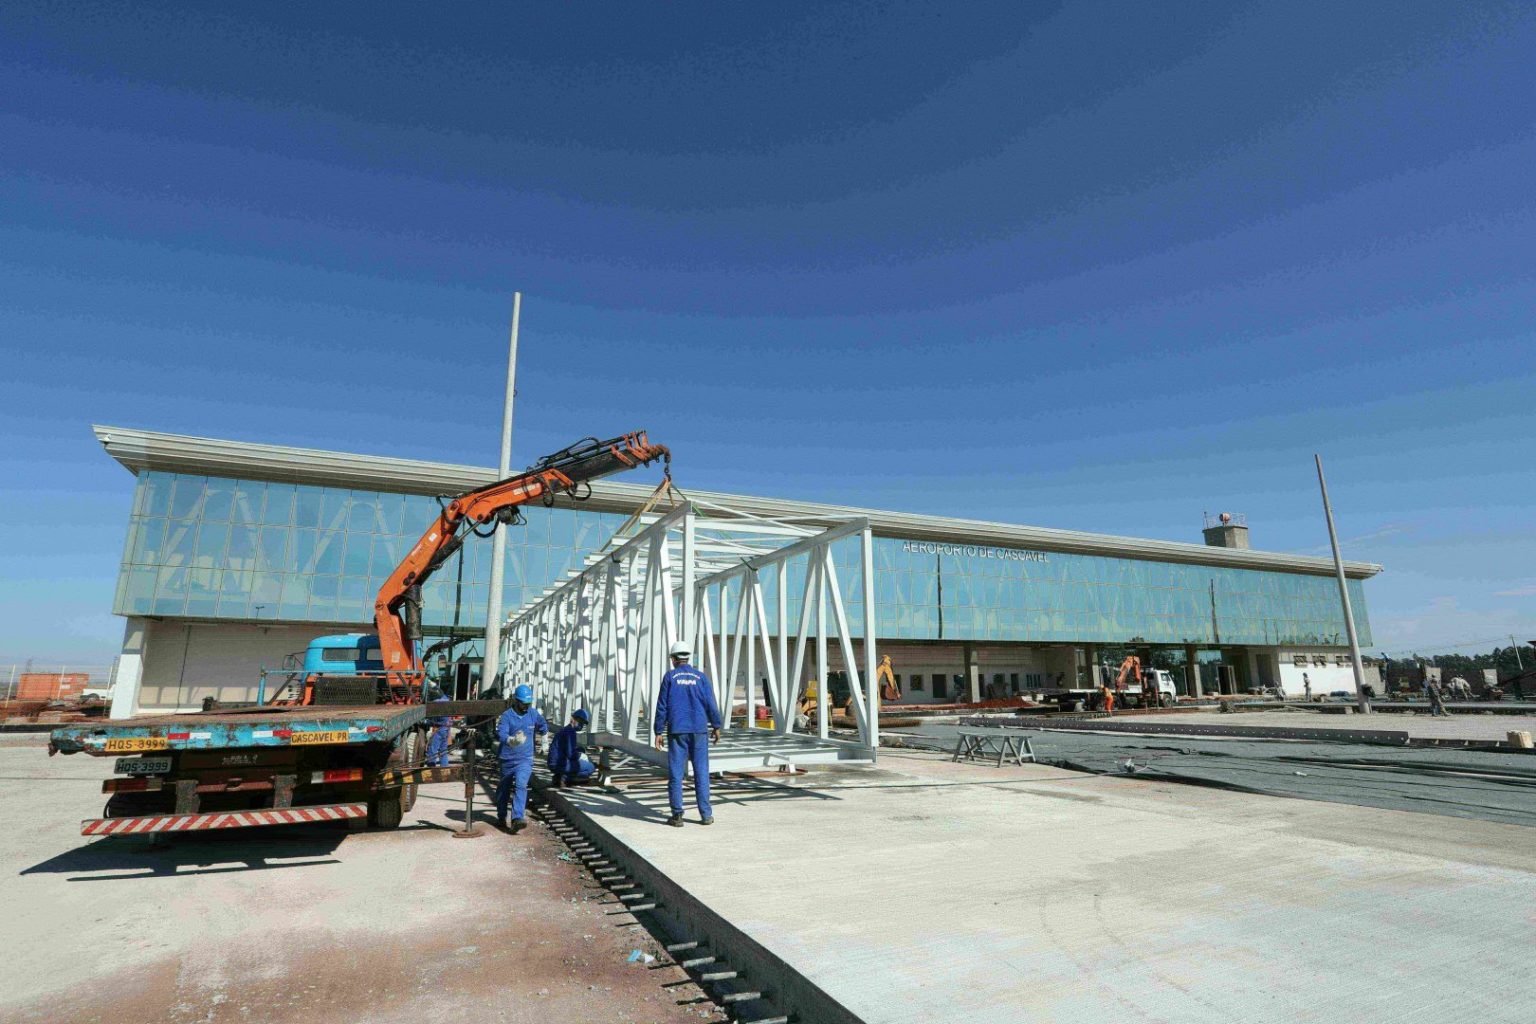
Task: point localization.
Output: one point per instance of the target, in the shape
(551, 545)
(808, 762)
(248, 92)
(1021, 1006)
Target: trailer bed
(238, 727)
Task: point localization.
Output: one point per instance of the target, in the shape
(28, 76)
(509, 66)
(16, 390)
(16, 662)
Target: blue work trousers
(514, 787)
(684, 748)
(437, 748)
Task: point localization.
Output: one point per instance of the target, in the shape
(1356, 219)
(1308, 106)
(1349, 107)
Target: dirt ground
(312, 924)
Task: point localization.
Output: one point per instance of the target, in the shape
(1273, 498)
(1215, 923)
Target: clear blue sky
(1099, 266)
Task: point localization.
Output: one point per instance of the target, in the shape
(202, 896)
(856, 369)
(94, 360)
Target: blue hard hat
(580, 714)
(523, 693)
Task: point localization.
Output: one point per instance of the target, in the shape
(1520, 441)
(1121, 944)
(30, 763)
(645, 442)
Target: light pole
(1349, 615)
(491, 657)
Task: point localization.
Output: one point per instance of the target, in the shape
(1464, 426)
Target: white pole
(490, 662)
(1519, 661)
(1349, 616)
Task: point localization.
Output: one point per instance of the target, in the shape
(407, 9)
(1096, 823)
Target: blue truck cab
(343, 653)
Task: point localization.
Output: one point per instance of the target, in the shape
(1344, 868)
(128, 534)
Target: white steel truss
(599, 639)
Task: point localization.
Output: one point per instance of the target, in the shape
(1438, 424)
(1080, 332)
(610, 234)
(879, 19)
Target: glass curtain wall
(214, 547)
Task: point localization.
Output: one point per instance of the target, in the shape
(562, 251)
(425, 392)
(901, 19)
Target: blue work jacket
(565, 751)
(515, 732)
(686, 702)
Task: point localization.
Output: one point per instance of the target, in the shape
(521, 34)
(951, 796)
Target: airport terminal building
(237, 554)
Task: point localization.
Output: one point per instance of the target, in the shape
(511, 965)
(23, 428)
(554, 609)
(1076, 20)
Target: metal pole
(1349, 615)
(491, 659)
(1519, 661)
(471, 780)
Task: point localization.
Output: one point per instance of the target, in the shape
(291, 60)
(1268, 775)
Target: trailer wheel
(389, 808)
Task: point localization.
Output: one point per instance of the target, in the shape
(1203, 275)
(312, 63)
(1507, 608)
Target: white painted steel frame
(600, 639)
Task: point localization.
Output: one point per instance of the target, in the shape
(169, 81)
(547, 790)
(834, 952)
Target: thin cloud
(1517, 592)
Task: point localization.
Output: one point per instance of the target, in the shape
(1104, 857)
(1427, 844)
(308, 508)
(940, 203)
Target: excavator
(397, 608)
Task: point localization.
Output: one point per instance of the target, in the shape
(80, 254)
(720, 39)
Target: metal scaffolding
(599, 639)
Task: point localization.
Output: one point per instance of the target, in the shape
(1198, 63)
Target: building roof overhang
(140, 450)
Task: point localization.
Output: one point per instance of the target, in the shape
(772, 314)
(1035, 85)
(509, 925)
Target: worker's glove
(714, 735)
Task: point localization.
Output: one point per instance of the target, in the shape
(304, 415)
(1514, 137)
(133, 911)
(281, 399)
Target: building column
(130, 669)
(1192, 670)
(1091, 658)
(972, 675)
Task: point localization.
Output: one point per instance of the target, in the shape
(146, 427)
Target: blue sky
(1100, 266)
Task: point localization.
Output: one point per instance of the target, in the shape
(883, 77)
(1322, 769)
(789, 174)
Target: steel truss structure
(599, 640)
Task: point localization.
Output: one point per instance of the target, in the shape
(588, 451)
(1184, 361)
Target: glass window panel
(203, 591)
(420, 511)
(212, 539)
(536, 531)
(279, 507)
(562, 528)
(387, 552)
(355, 562)
(138, 592)
(391, 513)
(171, 591)
(148, 541)
(154, 494)
(353, 600)
(363, 514)
(294, 601)
(241, 553)
(329, 547)
(235, 594)
(218, 499)
(187, 498)
(247, 505)
(333, 508)
(273, 555)
(266, 591)
(322, 597)
(307, 506)
(180, 543)
(301, 552)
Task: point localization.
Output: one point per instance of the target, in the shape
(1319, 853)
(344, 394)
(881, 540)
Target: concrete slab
(1457, 727)
(924, 891)
(306, 924)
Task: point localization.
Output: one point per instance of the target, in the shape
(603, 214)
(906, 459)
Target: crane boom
(397, 609)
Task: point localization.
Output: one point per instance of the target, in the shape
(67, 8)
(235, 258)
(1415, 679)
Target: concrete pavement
(923, 891)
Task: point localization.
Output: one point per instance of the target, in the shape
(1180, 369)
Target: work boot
(676, 821)
(518, 824)
(501, 823)
(708, 820)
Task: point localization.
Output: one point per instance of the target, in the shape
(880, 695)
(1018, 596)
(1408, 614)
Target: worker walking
(517, 731)
(567, 760)
(437, 745)
(685, 708)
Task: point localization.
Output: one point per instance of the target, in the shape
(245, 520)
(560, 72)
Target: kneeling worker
(517, 730)
(567, 760)
(685, 707)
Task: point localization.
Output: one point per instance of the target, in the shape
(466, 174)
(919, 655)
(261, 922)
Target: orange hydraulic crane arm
(1130, 667)
(397, 609)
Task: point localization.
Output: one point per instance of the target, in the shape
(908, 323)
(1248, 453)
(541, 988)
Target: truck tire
(1167, 700)
(388, 808)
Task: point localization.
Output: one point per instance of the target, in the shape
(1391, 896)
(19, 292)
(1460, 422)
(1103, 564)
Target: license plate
(142, 765)
(300, 738)
(134, 744)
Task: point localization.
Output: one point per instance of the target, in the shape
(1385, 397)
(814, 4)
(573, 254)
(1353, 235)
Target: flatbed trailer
(263, 765)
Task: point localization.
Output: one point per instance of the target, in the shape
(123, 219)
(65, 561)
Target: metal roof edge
(138, 450)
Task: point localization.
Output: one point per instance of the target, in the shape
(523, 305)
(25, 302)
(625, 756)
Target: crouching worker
(437, 745)
(567, 760)
(517, 730)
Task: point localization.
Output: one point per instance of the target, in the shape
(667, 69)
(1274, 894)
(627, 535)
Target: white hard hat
(680, 649)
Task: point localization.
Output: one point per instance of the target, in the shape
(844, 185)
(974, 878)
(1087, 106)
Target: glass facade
(212, 547)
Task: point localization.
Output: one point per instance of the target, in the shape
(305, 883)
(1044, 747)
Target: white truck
(1154, 680)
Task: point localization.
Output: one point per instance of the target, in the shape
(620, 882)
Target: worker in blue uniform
(437, 744)
(685, 708)
(517, 731)
(567, 759)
